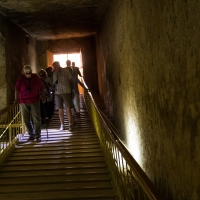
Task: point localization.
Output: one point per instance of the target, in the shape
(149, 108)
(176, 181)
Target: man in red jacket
(28, 91)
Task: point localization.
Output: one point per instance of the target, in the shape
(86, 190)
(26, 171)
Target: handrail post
(10, 134)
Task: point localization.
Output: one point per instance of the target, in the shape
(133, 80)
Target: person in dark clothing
(76, 98)
(45, 107)
(76, 70)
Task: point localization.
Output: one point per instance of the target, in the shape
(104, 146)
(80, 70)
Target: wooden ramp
(66, 165)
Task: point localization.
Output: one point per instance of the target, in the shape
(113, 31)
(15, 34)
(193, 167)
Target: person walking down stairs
(45, 108)
(28, 89)
(76, 100)
(63, 83)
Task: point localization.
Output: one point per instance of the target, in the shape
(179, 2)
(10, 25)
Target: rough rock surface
(55, 19)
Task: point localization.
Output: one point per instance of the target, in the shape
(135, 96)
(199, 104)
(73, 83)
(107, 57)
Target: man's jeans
(31, 116)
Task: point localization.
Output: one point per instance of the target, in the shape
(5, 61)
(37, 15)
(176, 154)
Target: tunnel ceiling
(55, 19)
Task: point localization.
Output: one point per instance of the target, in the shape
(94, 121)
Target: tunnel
(140, 58)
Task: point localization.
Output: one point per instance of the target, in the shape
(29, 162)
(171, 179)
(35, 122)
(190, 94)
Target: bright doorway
(62, 58)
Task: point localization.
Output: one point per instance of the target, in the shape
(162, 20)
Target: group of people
(37, 93)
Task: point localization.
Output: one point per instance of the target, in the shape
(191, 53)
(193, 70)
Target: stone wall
(149, 77)
(19, 49)
(3, 84)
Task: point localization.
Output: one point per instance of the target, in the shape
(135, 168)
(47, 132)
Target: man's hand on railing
(86, 88)
(89, 90)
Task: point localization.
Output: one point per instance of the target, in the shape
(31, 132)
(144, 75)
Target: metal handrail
(11, 130)
(128, 178)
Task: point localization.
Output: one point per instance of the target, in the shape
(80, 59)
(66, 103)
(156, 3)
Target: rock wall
(3, 84)
(149, 77)
(19, 49)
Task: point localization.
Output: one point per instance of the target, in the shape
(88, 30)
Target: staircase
(64, 165)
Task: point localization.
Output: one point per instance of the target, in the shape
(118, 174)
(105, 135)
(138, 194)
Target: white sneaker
(62, 128)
